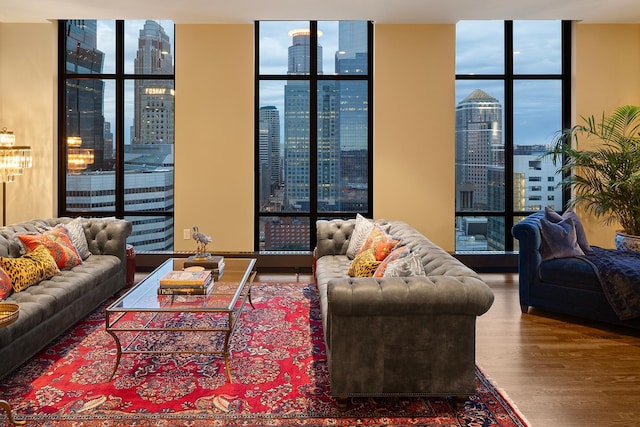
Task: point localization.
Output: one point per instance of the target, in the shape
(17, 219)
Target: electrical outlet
(186, 234)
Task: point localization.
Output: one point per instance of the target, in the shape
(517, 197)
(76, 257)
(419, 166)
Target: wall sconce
(74, 141)
(14, 159)
(78, 159)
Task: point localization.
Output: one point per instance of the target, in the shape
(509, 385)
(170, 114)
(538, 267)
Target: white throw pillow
(405, 267)
(360, 233)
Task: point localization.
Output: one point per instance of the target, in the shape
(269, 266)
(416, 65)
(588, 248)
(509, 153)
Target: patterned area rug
(278, 365)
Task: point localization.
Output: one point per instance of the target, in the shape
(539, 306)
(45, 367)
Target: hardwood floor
(559, 371)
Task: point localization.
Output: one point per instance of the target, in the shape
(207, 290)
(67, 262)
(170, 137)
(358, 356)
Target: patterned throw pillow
(58, 243)
(381, 243)
(5, 285)
(405, 267)
(397, 253)
(361, 230)
(78, 238)
(29, 269)
(364, 264)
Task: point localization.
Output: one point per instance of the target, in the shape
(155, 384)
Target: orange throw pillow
(381, 243)
(58, 243)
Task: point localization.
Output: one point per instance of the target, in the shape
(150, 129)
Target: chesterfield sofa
(50, 307)
(398, 336)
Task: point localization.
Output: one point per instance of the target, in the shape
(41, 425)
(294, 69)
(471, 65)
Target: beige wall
(413, 116)
(607, 64)
(214, 135)
(414, 128)
(28, 79)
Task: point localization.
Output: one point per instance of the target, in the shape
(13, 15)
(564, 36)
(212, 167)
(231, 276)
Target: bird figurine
(202, 240)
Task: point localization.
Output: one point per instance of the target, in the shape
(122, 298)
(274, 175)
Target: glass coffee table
(140, 320)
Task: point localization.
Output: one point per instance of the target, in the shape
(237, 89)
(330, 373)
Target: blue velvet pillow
(559, 239)
(553, 216)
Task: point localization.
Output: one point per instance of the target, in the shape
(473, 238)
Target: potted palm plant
(605, 178)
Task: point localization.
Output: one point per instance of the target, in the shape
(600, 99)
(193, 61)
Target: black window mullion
(62, 121)
(119, 133)
(566, 90)
(370, 119)
(313, 130)
(508, 135)
(257, 214)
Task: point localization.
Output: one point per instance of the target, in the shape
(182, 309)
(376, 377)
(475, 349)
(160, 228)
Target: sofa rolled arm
(527, 232)
(389, 296)
(108, 236)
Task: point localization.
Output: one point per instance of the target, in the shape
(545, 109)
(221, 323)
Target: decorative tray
(8, 313)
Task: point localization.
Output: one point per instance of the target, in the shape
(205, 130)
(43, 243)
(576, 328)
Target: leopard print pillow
(364, 264)
(30, 269)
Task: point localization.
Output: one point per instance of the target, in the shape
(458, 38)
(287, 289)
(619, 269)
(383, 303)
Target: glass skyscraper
(479, 147)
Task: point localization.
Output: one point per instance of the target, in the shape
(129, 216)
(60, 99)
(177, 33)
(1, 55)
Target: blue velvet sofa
(564, 285)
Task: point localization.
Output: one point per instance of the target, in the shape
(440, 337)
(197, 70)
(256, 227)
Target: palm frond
(605, 180)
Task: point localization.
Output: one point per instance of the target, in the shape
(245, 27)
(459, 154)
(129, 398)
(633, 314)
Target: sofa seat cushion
(40, 302)
(574, 272)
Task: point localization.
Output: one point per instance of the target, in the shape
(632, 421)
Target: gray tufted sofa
(398, 336)
(52, 306)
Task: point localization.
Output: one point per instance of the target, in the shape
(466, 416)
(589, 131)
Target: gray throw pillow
(78, 238)
(559, 239)
(553, 216)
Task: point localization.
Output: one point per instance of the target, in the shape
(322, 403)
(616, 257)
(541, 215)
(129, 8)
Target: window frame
(120, 78)
(313, 78)
(509, 78)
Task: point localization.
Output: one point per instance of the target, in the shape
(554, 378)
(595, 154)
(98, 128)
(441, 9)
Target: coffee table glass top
(224, 296)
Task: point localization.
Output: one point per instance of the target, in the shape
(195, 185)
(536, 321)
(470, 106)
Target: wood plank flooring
(559, 371)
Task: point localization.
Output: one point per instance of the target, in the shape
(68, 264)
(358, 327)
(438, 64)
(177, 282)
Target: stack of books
(214, 263)
(186, 283)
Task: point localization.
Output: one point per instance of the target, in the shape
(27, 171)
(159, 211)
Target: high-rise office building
(479, 147)
(297, 129)
(269, 134)
(352, 59)
(85, 97)
(154, 99)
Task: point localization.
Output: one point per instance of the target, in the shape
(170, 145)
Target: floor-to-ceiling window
(116, 125)
(512, 97)
(313, 128)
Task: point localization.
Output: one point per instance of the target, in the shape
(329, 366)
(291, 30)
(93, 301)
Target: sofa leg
(342, 403)
(524, 308)
(459, 401)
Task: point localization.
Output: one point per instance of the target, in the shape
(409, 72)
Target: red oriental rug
(279, 369)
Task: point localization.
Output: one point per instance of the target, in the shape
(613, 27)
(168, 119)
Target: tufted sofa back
(333, 236)
(104, 235)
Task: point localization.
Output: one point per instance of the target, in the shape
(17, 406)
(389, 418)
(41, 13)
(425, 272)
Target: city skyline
(343, 110)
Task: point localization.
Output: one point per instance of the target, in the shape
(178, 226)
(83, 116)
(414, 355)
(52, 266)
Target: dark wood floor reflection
(559, 371)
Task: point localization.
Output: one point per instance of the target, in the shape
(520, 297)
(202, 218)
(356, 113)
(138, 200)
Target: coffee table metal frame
(227, 299)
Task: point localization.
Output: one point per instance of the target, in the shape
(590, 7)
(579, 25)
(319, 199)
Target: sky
(479, 50)
(537, 50)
